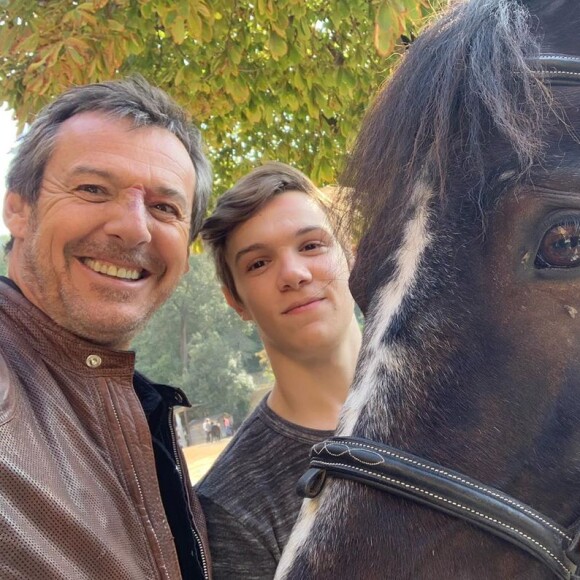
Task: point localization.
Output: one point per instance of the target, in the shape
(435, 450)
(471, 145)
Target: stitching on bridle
(556, 56)
(453, 503)
(559, 72)
(446, 474)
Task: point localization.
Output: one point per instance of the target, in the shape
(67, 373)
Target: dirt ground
(200, 457)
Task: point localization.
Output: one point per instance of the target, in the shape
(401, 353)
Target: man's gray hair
(132, 98)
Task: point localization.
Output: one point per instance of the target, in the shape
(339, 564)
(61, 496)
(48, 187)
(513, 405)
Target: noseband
(453, 493)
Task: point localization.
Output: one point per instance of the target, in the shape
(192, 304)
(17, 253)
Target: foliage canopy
(266, 79)
(197, 342)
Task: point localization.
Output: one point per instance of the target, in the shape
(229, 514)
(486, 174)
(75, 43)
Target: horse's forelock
(462, 102)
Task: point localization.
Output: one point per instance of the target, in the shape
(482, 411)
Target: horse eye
(560, 247)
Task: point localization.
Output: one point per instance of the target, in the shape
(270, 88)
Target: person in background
(283, 266)
(105, 193)
(227, 426)
(207, 429)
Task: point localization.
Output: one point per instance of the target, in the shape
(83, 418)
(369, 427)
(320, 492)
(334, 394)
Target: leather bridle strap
(557, 69)
(411, 477)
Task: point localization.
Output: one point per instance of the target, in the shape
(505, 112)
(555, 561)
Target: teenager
(283, 266)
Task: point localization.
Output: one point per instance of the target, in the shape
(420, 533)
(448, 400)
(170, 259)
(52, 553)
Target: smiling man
(282, 266)
(105, 192)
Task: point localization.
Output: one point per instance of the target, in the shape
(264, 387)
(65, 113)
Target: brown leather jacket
(79, 494)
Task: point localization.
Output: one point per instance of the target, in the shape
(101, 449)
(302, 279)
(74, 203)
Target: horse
(457, 453)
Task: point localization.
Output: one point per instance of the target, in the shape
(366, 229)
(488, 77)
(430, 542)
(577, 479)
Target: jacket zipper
(182, 479)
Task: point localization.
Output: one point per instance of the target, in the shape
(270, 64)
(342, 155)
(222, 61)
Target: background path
(200, 457)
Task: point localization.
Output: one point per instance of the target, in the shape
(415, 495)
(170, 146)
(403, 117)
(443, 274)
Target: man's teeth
(112, 270)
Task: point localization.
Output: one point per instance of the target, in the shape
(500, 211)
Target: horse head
(465, 179)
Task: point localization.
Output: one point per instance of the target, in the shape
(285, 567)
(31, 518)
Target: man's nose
(129, 219)
(294, 272)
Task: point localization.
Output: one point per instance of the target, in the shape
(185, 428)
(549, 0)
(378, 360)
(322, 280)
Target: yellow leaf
(385, 16)
(179, 76)
(87, 7)
(207, 32)
(178, 30)
(115, 26)
(384, 41)
(77, 43)
(196, 247)
(194, 25)
(280, 30)
(254, 116)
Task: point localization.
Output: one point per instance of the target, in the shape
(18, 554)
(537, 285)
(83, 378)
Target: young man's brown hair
(247, 197)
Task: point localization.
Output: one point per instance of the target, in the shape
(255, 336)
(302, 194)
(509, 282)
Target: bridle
(453, 493)
(406, 475)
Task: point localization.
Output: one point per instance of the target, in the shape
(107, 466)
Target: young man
(105, 193)
(282, 266)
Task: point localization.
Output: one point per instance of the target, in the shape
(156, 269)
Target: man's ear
(237, 306)
(16, 214)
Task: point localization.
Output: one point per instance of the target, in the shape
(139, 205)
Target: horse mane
(471, 117)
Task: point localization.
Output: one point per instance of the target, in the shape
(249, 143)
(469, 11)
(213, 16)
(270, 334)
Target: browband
(409, 476)
(557, 69)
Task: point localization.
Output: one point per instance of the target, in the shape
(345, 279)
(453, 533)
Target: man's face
(107, 241)
(292, 277)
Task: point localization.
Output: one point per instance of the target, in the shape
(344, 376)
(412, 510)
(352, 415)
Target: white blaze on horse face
(407, 260)
(373, 353)
(298, 537)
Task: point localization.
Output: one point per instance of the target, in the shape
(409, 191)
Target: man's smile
(109, 269)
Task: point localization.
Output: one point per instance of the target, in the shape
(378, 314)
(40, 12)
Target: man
(207, 430)
(282, 266)
(105, 192)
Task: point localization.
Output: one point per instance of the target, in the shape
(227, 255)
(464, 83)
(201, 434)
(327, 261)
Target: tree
(266, 79)
(195, 341)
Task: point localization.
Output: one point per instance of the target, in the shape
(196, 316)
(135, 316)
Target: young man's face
(292, 277)
(107, 241)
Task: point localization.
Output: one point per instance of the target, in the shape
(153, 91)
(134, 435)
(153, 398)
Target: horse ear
(236, 305)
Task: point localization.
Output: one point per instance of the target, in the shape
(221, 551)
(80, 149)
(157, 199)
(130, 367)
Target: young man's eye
(256, 265)
(310, 246)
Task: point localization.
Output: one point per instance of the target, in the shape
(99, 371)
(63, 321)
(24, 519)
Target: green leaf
(235, 54)
(241, 91)
(79, 60)
(277, 46)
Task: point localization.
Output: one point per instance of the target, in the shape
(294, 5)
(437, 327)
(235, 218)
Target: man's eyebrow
(105, 174)
(88, 170)
(259, 246)
(171, 192)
